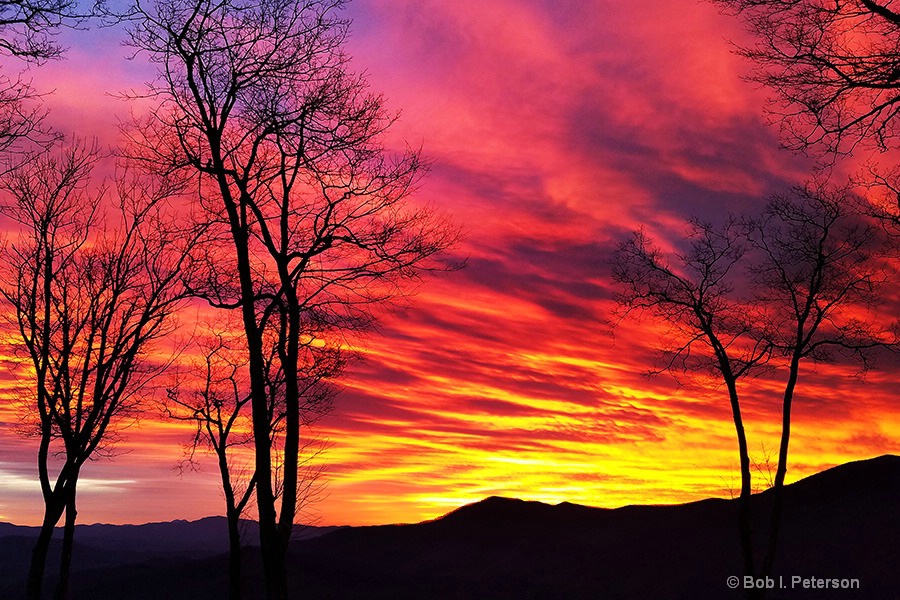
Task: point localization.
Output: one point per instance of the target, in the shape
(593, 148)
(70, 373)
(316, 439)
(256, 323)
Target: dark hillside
(842, 523)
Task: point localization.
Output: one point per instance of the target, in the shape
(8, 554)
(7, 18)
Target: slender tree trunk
(744, 521)
(273, 568)
(234, 555)
(273, 563)
(781, 472)
(52, 510)
(233, 516)
(292, 422)
(745, 524)
(65, 566)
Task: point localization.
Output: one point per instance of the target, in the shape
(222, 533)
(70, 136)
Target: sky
(554, 127)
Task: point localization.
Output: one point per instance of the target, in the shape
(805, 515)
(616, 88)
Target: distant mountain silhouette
(841, 523)
(98, 547)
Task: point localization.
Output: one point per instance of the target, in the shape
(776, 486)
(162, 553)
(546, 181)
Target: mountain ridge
(842, 522)
(854, 471)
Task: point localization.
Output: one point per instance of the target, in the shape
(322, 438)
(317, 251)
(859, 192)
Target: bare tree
(820, 279)
(692, 293)
(217, 404)
(216, 409)
(255, 98)
(28, 27)
(816, 271)
(87, 303)
(27, 30)
(881, 187)
(834, 72)
(21, 122)
(833, 67)
(765, 468)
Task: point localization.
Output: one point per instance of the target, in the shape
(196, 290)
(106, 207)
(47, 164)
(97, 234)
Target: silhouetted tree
(834, 68)
(307, 208)
(215, 408)
(834, 71)
(21, 121)
(27, 29)
(819, 280)
(217, 405)
(816, 267)
(692, 292)
(87, 301)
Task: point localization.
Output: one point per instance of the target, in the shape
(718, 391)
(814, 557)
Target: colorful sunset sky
(555, 127)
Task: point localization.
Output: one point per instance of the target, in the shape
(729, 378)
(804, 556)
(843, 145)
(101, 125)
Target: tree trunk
(233, 510)
(234, 555)
(292, 417)
(62, 586)
(52, 513)
(744, 521)
(270, 546)
(781, 472)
